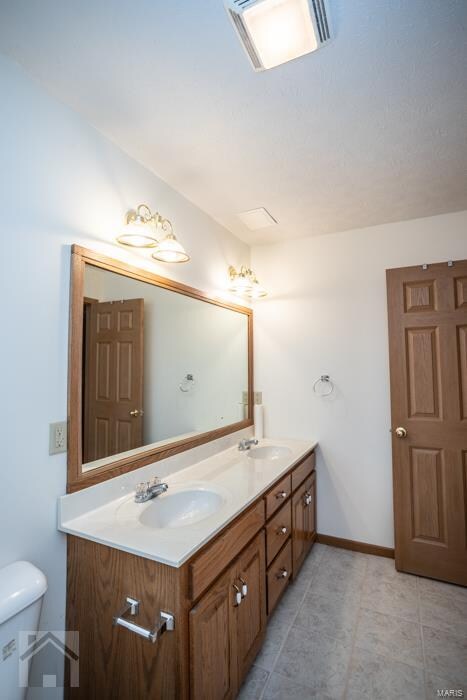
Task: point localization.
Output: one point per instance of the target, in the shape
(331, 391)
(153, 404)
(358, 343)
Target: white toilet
(22, 588)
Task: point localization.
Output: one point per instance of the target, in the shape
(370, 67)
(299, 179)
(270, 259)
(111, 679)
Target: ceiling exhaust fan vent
(245, 38)
(259, 25)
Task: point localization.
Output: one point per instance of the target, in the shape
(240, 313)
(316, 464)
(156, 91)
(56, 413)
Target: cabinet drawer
(206, 567)
(277, 495)
(278, 576)
(278, 530)
(303, 470)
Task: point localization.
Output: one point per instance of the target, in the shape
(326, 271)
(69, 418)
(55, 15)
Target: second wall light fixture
(140, 232)
(245, 283)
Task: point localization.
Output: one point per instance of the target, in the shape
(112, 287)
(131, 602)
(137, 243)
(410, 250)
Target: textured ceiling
(368, 130)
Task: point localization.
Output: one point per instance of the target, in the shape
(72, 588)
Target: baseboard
(362, 547)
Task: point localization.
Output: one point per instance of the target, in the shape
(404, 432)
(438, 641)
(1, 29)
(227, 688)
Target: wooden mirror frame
(76, 478)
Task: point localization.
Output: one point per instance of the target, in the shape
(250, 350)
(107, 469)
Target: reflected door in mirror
(112, 378)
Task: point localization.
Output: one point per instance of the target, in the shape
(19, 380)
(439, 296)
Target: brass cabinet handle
(283, 573)
(401, 432)
(282, 530)
(137, 412)
(281, 494)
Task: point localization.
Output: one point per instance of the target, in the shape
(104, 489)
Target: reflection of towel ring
(324, 379)
(187, 383)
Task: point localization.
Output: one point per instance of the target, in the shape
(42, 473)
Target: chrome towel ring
(187, 383)
(324, 380)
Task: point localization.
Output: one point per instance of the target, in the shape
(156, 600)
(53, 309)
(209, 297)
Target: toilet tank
(22, 587)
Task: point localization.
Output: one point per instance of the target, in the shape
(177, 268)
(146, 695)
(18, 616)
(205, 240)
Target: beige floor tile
(281, 688)
(333, 615)
(375, 677)
(434, 684)
(253, 685)
(390, 636)
(445, 654)
(315, 661)
(443, 606)
(398, 597)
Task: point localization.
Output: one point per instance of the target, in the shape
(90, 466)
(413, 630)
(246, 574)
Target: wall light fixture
(245, 283)
(140, 232)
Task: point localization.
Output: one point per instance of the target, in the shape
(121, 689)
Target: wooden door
(428, 362)
(213, 643)
(251, 613)
(113, 378)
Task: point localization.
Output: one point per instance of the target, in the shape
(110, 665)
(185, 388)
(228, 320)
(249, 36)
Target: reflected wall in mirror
(160, 365)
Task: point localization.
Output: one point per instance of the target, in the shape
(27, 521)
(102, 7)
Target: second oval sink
(269, 452)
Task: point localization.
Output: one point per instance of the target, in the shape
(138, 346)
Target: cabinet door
(251, 613)
(311, 516)
(213, 643)
(303, 522)
(299, 528)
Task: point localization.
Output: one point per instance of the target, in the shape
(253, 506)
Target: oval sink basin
(178, 508)
(270, 452)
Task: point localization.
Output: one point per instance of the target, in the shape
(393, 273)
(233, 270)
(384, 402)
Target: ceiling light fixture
(140, 232)
(276, 31)
(245, 283)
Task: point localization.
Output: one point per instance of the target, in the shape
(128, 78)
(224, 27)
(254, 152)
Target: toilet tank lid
(21, 584)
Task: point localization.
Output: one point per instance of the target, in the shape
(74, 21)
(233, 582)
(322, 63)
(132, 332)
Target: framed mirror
(155, 368)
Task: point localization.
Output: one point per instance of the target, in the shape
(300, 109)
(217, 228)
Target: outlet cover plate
(57, 438)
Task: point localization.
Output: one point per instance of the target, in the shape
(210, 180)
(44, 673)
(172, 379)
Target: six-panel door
(428, 361)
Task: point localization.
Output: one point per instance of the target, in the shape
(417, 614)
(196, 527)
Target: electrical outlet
(57, 437)
(258, 397)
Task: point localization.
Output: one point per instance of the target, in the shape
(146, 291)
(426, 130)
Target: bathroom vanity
(227, 574)
(171, 594)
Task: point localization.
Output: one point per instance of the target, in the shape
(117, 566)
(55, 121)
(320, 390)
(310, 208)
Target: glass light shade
(138, 234)
(280, 30)
(241, 284)
(257, 291)
(170, 250)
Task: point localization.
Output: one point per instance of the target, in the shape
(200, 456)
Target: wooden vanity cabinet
(303, 522)
(216, 636)
(225, 634)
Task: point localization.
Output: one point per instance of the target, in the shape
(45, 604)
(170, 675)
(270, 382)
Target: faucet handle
(142, 488)
(154, 481)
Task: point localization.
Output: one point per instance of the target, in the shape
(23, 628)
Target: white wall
(61, 182)
(326, 314)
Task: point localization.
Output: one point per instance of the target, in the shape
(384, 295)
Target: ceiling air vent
(276, 31)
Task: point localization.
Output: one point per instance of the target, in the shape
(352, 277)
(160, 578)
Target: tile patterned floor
(351, 627)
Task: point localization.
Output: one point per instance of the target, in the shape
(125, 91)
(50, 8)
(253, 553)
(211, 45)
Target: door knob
(401, 432)
(136, 413)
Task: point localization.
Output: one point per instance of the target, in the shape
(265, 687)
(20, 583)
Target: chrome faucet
(146, 490)
(244, 445)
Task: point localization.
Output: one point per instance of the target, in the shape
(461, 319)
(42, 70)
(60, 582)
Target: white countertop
(107, 513)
